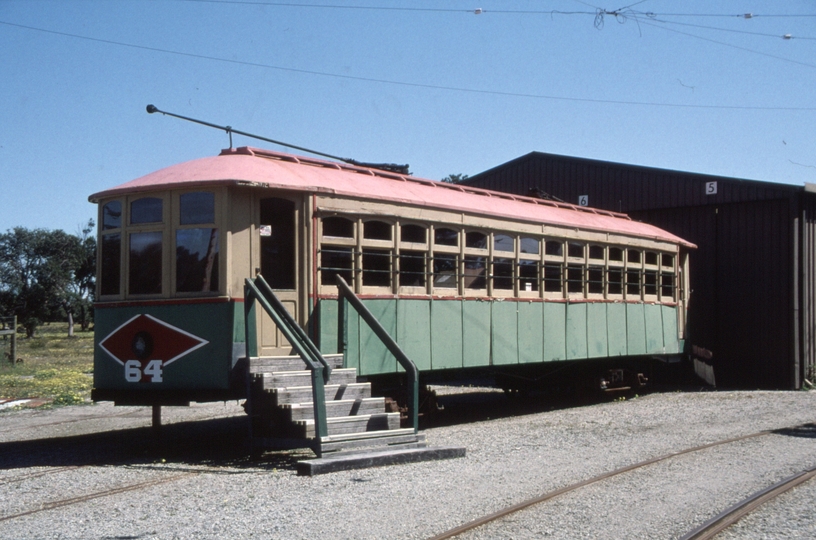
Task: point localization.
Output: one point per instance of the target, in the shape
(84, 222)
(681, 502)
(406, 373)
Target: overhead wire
(646, 18)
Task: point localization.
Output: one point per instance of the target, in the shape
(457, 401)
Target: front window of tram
(196, 246)
(145, 247)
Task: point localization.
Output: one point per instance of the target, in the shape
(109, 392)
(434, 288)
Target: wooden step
(267, 364)
(333, 392)
(359, 442)
(344, 407)
(287, 379)
(376, 458)
(344, 425)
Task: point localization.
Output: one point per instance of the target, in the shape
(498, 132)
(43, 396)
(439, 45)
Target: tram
(465, 280)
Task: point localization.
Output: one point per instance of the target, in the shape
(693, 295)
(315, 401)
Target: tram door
(278, 249)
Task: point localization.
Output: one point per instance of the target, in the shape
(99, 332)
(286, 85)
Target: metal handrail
(347, 295)
(307, 350)
(292, 324)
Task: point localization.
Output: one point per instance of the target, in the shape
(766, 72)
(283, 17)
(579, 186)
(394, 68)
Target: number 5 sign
(711, 188)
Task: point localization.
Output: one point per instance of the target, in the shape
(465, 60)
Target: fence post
(14, 341)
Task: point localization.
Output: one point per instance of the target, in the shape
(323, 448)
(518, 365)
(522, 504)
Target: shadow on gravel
(480, 406)
(190, 445)
(807, 431)
(223, 442)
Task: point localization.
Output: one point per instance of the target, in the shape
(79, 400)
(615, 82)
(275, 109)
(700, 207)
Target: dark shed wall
(746, 278)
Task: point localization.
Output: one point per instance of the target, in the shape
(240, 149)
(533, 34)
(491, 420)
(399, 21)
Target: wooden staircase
(353, 430)
(282, 412)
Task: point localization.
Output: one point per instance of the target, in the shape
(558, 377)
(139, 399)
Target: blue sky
(676, 85)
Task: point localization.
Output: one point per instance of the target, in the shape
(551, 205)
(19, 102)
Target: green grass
(52, 366)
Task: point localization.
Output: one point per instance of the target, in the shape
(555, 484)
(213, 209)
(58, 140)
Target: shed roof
(264, 168)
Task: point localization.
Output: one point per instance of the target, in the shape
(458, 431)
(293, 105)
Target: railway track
(715, 525)
(719, 523)
(135, 486)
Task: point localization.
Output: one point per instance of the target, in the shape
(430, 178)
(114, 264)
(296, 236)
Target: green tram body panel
(207, 367)
(466, 333)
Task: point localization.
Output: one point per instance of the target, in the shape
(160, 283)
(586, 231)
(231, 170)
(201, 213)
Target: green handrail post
(307, 350)
(290, 322)
(345, 294)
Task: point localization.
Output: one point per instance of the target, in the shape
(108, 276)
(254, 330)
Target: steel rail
(719, 523)
(476, 523)
(91, 496)
(29, 476)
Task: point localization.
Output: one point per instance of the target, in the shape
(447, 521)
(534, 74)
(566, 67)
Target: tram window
(376, 268)
(650, 282)
(633, 256)
(503, 274)
(530, 245)
(575, 250)
(145, 269)
(633, 283)
(614, 278)
(615, 254)
(146, 210)
(338, 227)
(595, 281)
(528, 275)
(667, 261)
(333, 262)
(376, 230)
(412, 268)
(446, 237)
(445, 273)
(596, 252)
(112, 216)
(196, 208)
(197, 260)
(575, 278)
(552, 277)
(667, 287)
(475, 272)
(111, 263)
(413, 233)
(502, 242)
(554, 248)
(651, 258)
(476, 240)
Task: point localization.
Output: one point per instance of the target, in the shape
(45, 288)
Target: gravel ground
(510, 459)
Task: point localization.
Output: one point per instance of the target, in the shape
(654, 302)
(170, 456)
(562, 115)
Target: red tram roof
(265, 168)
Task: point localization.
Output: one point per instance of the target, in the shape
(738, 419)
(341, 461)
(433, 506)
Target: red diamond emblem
(151, 342)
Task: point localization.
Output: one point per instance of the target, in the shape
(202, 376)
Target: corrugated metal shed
(753, 281)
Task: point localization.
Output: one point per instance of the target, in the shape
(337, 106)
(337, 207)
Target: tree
(46, 274)
(455, 178)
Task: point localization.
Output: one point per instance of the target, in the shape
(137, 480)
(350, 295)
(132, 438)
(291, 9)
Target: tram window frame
(528, 267)
(445, 251)
(183, 222)
(330, 245)
(476, 252)
(553, 272)
(667, 286)
(375, 262)
(615, 273)
(111, 256)
(411, 251)
(575, 271)
(651, 279)
(132, 232)
(596, 275)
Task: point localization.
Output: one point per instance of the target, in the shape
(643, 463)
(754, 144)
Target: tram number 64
(133, 371)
